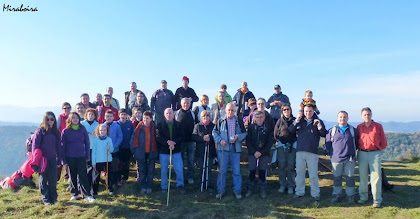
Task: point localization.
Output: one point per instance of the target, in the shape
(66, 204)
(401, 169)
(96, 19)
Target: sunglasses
(66, 108)
(50, 119)
(260, 103)
(287, 109)
(206, 115)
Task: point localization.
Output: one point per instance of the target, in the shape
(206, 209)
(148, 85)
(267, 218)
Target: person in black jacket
(259, 141)
(286, 150)
(203, 137)
(169, 135)
(184, 92)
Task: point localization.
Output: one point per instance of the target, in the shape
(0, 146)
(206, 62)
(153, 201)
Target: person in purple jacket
(47, 139)
(76, 152)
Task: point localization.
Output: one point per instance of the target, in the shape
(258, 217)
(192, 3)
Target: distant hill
(405, 127)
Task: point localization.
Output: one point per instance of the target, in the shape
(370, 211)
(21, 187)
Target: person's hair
(342, 111)
(122, 110)
(310, 106)
(204, 112)
(44, 124)
(366, 109)
(286, 105)
(251, 100)
(71, 115)
(203, 97)
(65, 104)
(223, 86)
(99, 126)
(186, 99)
(106, 95)
(90, 110)
(133, 83)
(79, 104)
(109, 112)
(148, 113)
(223, 93)
(135, 109)
(263, 100)
(258, 113)
(308, 92)
(84, 94)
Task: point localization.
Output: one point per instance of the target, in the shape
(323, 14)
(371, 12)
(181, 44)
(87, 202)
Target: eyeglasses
(64, 108)
(206, 115)
(260, 103)
(286, 109)
(252, 104)
(50, 119)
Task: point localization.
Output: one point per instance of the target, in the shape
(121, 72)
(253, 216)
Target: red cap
(185, 78)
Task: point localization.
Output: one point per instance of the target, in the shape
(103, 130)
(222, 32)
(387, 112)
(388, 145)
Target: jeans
(189, 148)
(226, 157)
(48, 182)
(287, 162)
(370, 163)
(146, 169)
(344, 168)
(77, 167)
(178, 167)
(306, 159)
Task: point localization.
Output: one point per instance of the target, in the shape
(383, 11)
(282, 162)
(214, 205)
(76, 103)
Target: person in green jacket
(228, 98)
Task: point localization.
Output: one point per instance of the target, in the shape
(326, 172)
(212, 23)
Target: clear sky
(351, 54)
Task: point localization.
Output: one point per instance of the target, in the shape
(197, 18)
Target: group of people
(100, 138)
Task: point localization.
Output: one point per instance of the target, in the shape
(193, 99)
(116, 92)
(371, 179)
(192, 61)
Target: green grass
(404, 203)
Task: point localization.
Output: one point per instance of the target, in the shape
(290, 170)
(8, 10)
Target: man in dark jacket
(131, 95)
(259, 141)
(275, 102)
(184, 92)
(169, 136)
(308, 130)
(241, 100)
(161, 99)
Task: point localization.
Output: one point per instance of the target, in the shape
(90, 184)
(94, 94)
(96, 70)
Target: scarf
(75, 127)
(244, 90)
(137, 133)
(102, 137)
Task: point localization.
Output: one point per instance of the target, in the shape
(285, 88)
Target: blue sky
(351, 54)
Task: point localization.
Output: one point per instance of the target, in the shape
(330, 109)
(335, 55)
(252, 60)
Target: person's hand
(273, 103)
(299, 117)
(190, 99)
(206, 138)
(318, 123)
(257, 154)
(223, 142)
(278, 102)
(59, 165)
(171, 144)
(171, 147)
(234, 139)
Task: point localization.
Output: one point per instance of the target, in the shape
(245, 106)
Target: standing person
(125, 153)
(341, 143)
(184, 92)
(204, 105)
(104, 108)
(218, 108)
(252, 106)
(130, 96)
(308, 130)
(258, 141)
(161, 99)
(286, 150)
(275, 102)
(187, 119)
(137, 117)
(371, 143)
(145, 150)
(80, 109)
(98, 100)
(101, 156)
(114, 102)
(84, 99)
(76, 151)
(227, 96)
(228, 133)
(169, 136)
(141, 103)
(116, 135)
(241, 100)
(90, 125)
(47, 139)
(202, 135)
(61, 125)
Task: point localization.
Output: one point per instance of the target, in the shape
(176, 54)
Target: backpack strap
(333, 131)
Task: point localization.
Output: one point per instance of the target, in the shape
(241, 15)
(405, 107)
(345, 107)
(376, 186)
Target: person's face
(102, 131)
(287, 111)
(309, 112)
(123, 117)
(252, 106)
(67, 109)
(342, 119)
(185, 104)
(163, 85)
(244, 85)
(185, 83)
(80, 109)
(206, 101)
(110, 91)
(260, 105)
(230, 111)
(90, 116)
(205, 118)
(138, 115)
(367, 116)
(85, 99)
(98, 98)
(109, 117)
(107, 101)
(259, 119)
(277, 90)
(50, 121)
(147, 120)
(75, 120)
(221, 98)
(169, 115)
(140, 97)
(308, 96)
(223, 89)
(133, 86)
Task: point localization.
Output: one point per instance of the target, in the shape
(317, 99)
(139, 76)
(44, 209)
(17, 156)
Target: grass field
(404, 203)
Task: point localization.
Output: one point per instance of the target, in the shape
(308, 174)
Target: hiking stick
(221, 175)
(203, 170)
(107, 172)
(169, 178)
(207, 166)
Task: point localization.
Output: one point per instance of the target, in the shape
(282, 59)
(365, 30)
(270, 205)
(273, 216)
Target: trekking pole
(207, 166)
(107, 169)
(221, 174)
(169, 179)
(204, 169)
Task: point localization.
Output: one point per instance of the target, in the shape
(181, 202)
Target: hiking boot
(219, 195)
(263, 193)
(74, 198)
(148, 191)
(90, 199)
(238, 195)
(350, 199)
(335, 198)
(190, 181)
(316, 198)
(361, 201)
(281, 189)
(181, 190)
(47, 203)
(290, 191)
(297, 196)
(143, 191)
(248, 193)
(376, 205)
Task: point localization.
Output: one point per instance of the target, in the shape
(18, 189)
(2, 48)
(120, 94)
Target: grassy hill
(404, 203)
